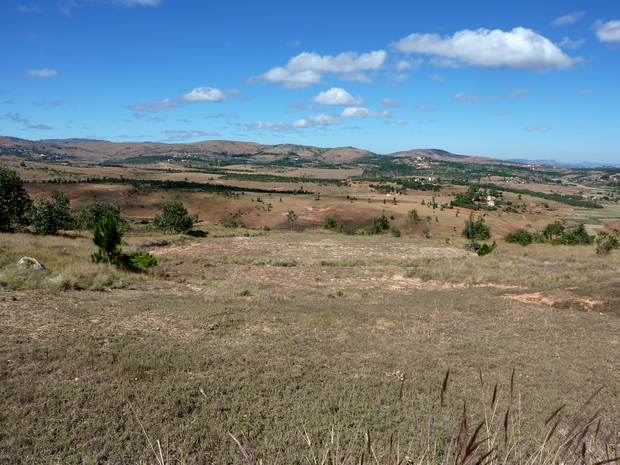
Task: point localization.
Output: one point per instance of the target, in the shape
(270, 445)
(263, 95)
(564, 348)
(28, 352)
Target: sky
(509, 79)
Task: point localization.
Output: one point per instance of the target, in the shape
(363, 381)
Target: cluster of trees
(103, 219)
(554, 233)
(48, 216)
(379, 225)
(275, 178)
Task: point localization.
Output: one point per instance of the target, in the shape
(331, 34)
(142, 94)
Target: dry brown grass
(292, 360)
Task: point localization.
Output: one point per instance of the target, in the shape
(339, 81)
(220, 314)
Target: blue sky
(528, 79)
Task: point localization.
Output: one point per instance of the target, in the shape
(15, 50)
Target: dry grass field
(252, 346)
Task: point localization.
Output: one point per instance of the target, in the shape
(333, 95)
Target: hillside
(94, 151)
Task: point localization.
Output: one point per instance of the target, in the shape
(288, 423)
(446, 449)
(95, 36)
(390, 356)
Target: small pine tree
(108, 236)
(14, 200)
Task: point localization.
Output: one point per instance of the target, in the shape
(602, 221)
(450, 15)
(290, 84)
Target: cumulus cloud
(534, 127)
(568, 19)
(360, 112)
(519, 49)
(311, 121)
(204, 94)
(607, 32)
(436, 77)
(408, 64)
(402, 122)
(337, 96)
(198, 94)
(307, 69)
(41, 73)
(174, 135)
(315, 120)
(389, 103)
(269, 126)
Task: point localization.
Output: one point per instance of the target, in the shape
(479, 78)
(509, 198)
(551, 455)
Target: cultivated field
(252, 346)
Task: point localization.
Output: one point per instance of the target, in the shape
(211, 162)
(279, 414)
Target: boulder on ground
(30, 263)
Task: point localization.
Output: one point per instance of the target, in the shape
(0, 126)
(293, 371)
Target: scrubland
(308, 347)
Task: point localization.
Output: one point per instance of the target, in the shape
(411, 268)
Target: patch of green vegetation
(287, 179)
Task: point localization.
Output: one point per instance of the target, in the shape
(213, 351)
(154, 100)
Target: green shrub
(520, 236)
(329, 223)
(575, 236)
(96, 210)
(476, 229)
(47, 217)
(486, 249)
(174, 218)
(380, 224)
(605, 243)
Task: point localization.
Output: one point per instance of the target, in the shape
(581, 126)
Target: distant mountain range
(557, 164)
(90, 150)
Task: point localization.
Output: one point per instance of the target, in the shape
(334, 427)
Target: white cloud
(156, 105)
(315, 120)
(337, 96)
(500, 113)
(587, 92)
(307, 69)
(139, 2)
(293, 79)
(408, 64)
(518, 94)
(360, 112)
(269, 126)
(402, 122)
(572, 44)
(533, 127)
(436, 77)
(184, 135)
(468, 99)
(390, 103)
(204, 94)
(198, 94)
(520, 49)
(607, 32)
(425, 108)
(41, 73)
(568, 19)
(29, 9)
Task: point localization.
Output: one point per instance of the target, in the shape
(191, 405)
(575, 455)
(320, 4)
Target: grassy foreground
(308, 348)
